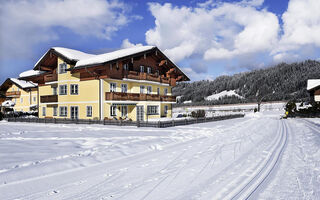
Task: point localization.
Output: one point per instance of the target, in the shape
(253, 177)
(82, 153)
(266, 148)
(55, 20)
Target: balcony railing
(13, 94)
(49, 98)
(50, 77)
(119, 96)
(146, 76)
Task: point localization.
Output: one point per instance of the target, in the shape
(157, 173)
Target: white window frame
(44, 112)
(124, 88)
(89, 111)
(55, 110)
(153, 110)
(124, 111)
(63, 68)
(165, 91)
(166, 108)
(63, 89)
(149, 70)
(74, 89)
(149, 89)
(126, 66)
(21, 100)
(54, 90)
(113, 110)
(142, 87)
(34, 98)
(141, 68)
(63, 111)
(113, 87)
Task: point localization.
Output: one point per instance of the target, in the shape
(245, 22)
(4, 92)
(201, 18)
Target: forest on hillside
(281, 82)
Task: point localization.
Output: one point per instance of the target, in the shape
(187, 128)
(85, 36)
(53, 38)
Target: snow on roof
(102, 58)
(223, 94)
(73, 54)
(312, 83)
(23, 84)
(30, 73)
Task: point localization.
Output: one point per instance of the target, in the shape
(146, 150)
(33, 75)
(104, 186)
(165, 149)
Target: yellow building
(134, 83)
(24, 94)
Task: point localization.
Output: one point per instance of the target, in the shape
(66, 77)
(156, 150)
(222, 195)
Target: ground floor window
(153, 110)
(43, 111)
(55, 111)
(89, 111)
(165, 110)
(124, 111)
(113, 110)
(63, 111)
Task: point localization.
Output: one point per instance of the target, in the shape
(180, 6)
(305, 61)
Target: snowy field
(258, 156)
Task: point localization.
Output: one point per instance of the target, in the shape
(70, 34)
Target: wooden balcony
(148, 77)
(50, 77)
(13, 94)
(119, 96)
(49, 98)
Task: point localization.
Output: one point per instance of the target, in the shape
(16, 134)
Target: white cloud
(27, 23)
(127, 44)
(219, 31)
(301, 27)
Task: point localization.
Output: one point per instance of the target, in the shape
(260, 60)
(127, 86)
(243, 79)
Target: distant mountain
(280, 82)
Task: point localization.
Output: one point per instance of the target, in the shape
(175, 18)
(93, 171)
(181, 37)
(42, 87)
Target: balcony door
(74, 112)
(140, 112)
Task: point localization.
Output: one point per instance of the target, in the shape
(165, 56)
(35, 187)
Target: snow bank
(223, 94)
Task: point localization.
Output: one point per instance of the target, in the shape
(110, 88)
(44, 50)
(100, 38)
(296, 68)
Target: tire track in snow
(255, 176)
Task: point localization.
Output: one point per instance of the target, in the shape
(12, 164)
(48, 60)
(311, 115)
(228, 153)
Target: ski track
(232, 161)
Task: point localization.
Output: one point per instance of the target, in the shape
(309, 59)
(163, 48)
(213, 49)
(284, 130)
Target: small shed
(313, 88)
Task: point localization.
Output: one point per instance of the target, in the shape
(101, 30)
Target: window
(43, 111)
(126, 66)
(55, 111)
(74, 89)
(12, 89)
(21, 100)
(149, 70)
(89, 111)
(34, 98)
(149, 89)
(165, 91)
(113, 87)
(157, 73)
(124, 111)
(54, 90)
(63, 89)
(141, 89)
(152, 110)
(165, 110)
(141, 68)
(124, 88)
(63, 111)
(63, 68)
(18, 89)
(158, 91)
(113, 110)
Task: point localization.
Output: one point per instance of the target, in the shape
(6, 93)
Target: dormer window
(149, 70)
(141, 68)
(63, 68)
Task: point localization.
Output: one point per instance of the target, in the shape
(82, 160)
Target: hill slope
(281, 82)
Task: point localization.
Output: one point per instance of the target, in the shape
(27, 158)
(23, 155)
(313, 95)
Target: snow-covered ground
(225, 93)
(258, 156)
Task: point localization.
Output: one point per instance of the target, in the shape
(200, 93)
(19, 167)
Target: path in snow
(257, 157)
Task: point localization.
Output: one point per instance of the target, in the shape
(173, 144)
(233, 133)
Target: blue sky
(205, 38)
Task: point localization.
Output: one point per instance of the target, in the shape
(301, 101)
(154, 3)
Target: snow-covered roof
(223, 94)
(30, 73)
(23, 84)
(8, 103)
(102, 58)
(313, 83)
(71, 54)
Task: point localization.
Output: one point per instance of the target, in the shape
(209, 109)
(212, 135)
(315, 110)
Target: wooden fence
(155, 124)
